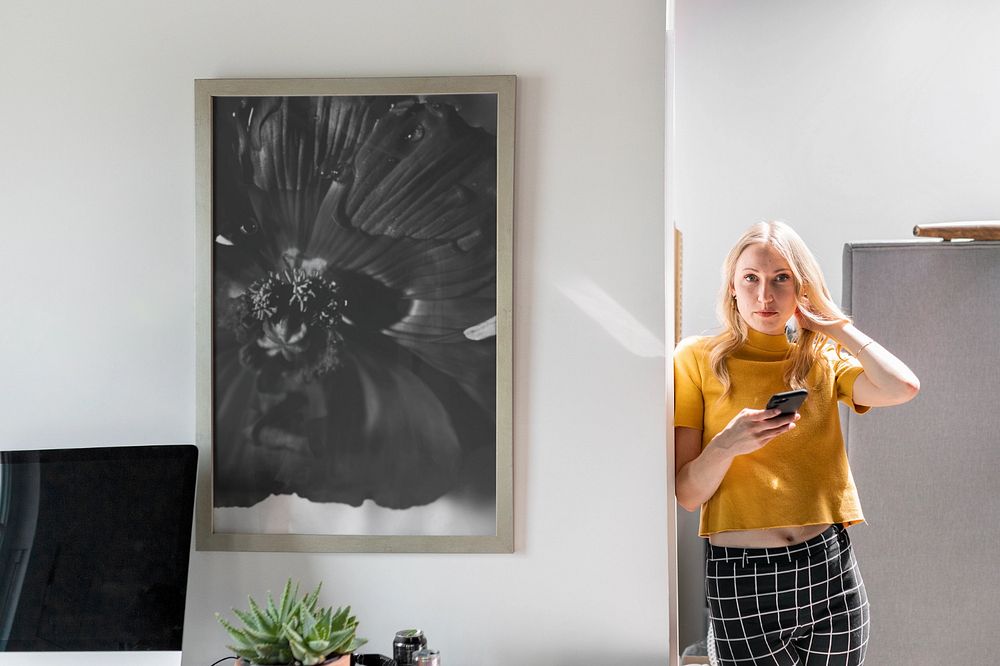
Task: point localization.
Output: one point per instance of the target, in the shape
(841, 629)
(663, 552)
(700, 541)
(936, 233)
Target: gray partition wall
(928, 472)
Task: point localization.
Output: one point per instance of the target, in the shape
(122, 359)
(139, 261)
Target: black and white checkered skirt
(803, 604)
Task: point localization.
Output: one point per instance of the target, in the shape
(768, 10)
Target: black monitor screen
(94, 547)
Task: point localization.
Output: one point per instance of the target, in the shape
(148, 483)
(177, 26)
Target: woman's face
(764, 289)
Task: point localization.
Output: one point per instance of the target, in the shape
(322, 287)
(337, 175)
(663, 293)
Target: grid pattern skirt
(800, 605)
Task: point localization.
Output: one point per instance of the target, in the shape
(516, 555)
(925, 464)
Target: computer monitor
(94, 550)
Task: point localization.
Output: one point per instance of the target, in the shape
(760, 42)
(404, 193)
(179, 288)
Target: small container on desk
(427, 657)
(406, 644)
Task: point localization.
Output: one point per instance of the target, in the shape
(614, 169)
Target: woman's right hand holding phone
(752, 429)
(700, 471)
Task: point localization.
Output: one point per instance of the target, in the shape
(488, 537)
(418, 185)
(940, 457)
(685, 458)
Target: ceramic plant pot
(336, 660)
(340, 660)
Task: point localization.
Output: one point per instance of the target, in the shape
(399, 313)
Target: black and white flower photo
(354, 288)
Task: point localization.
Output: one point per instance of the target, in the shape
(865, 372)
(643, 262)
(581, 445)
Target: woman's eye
(783, 278)
(750, 278)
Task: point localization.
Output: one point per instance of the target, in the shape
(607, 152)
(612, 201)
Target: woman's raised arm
(886, 380)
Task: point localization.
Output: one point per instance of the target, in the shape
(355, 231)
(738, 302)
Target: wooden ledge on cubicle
(964, 231)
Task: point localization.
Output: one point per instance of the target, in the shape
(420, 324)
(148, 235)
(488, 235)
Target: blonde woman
(776, 491)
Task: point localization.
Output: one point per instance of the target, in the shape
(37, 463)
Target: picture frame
(678, 282)
(354, 246)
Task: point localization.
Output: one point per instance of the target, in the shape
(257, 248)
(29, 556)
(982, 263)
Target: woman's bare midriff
(776, 537)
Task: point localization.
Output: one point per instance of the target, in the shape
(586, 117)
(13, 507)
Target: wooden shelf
(960, 230)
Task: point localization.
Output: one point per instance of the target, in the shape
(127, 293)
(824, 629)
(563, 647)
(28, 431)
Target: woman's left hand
(807, 321)
(885, 381)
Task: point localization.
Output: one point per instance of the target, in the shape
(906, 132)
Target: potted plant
(294, 631)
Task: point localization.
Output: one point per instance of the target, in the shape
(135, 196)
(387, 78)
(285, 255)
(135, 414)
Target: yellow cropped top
(801, 477)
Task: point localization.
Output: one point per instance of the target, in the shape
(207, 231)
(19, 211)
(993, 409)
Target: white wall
(851, 121)
(96, 207)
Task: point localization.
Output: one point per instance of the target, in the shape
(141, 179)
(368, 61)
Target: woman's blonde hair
(811, 295)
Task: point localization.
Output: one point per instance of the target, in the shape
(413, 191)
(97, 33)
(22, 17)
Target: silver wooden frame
(206, 90)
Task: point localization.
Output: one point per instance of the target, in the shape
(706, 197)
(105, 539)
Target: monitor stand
(118, 658)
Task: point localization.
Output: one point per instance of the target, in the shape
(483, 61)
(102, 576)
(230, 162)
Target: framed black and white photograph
(354, 251)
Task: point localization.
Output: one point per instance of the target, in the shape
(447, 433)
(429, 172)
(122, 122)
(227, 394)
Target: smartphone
(789, 401)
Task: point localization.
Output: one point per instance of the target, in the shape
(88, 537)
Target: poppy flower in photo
(354, 301)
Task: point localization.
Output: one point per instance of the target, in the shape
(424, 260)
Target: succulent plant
(292, 631)
(323, 633)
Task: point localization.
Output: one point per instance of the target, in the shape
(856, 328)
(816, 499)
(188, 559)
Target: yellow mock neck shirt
(801, 477)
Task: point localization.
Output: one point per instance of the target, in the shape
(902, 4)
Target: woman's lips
(765, 313)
